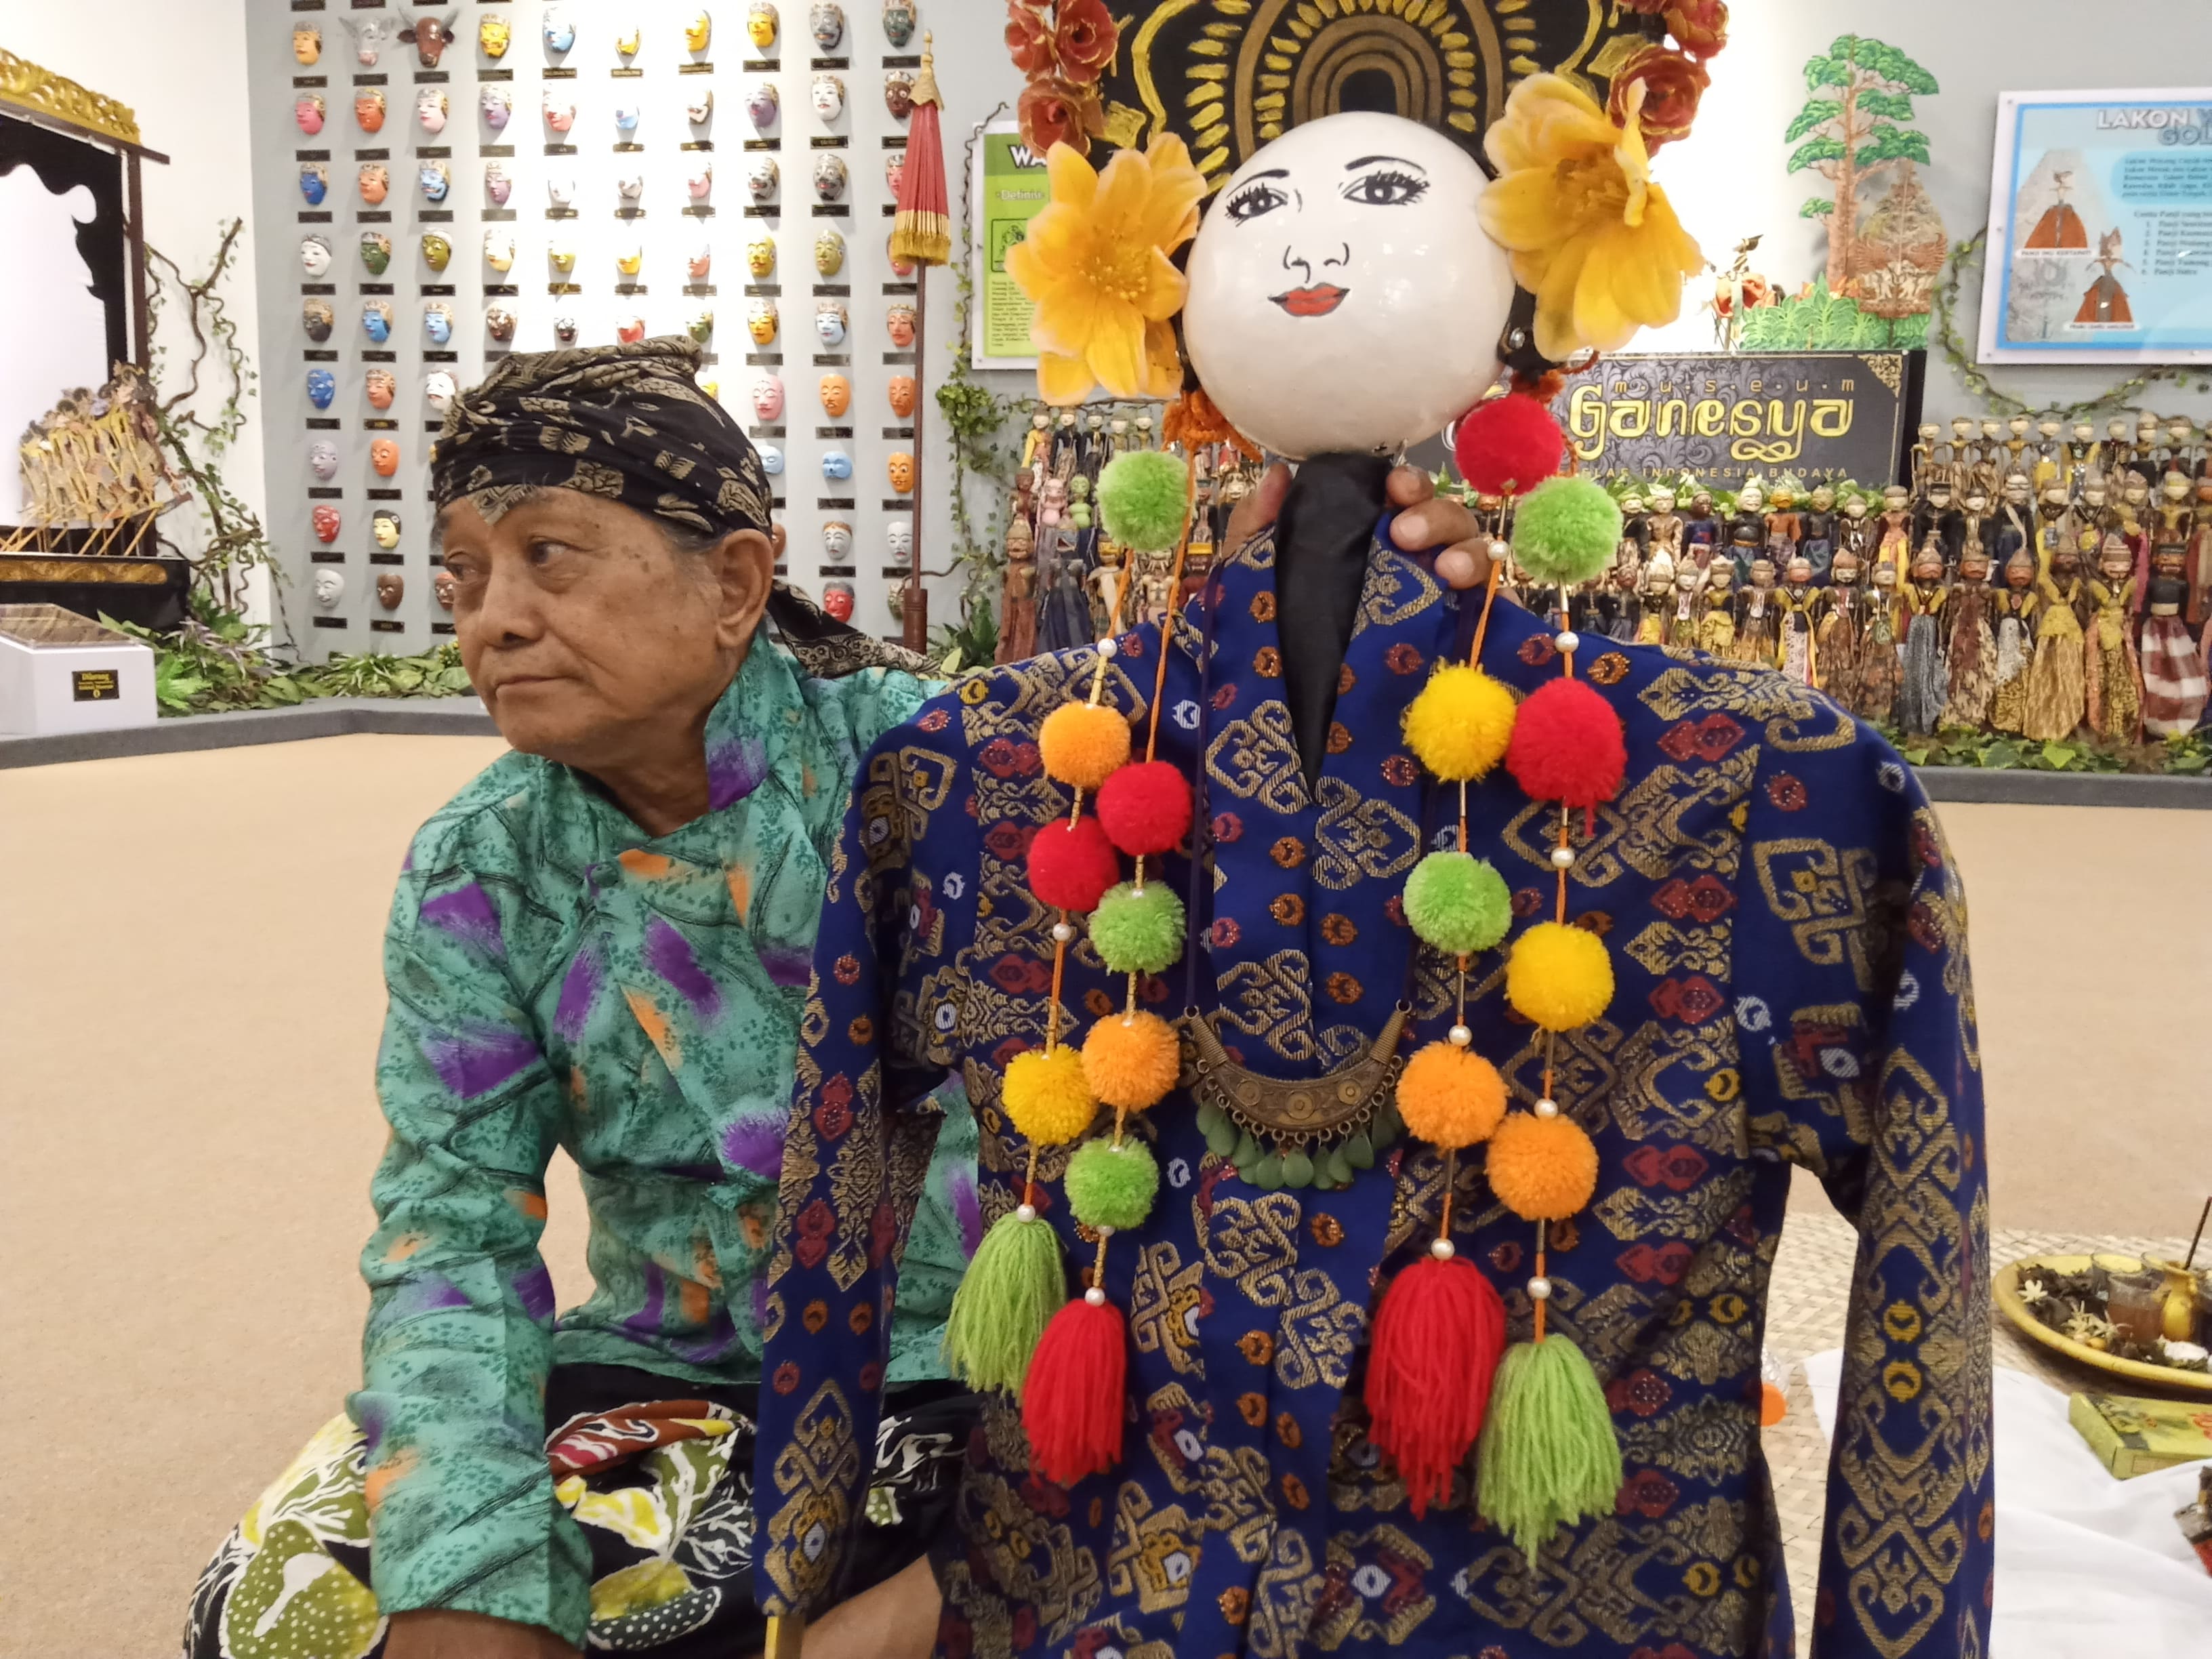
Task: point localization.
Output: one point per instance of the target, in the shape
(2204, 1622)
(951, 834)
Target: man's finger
(1408, 486)
(1465, 566)
(1258, 509)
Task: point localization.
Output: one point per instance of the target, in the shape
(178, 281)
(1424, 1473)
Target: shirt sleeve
(1862, 1063)
(458, 1342)
(877, 1045)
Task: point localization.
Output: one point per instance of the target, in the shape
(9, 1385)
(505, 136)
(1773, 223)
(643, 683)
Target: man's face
(585, 631)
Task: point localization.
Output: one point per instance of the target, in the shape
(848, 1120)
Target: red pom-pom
(1071, 1399)
(1145, 808)
(1568, 746)
(1438, 1338)
(1070, 864)
(1508, 445)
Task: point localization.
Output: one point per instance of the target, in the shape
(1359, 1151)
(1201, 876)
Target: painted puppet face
(827, 21)
(828, 253)
(314, 257)
(438, 325)
(767, 397)
(564, 330)
(760, 23)
(836, 395)
(494, 35)
(307, 45)
(700, 184)
(391, 588)
(837, 541)
(630, 330)
(322, 387)
(830, 322)
(559, 111)
(762, 104)
(898, 539)
(1352, 240)
(499, 324)
(836, 465)
(760, 255)
(379, 385)
(499, 248)
(330, 586)
(698, 31)
(368, 109)
(439, 390)
(898, 321)
(316, 317)
(323, 460)
(837, 600)
(701, 326)
(700, 264)
(898, 21)
(901, 392)
(497, 103)
(430, 109)
(828, 93)
(442, 584)
(898, 94)
(771, 459)
(437, 252)
(436, 180)
(384, 457)
(900, 467)
(384, 528)
(560, 33)
(761, 176)
(829, 175)
(376, 183)
(309, 109)
(762, 321)
(314, 183)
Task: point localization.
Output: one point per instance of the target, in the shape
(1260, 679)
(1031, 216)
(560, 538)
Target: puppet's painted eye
(1386, 187)
(1254, 199)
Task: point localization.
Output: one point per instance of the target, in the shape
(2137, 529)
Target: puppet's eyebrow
(1365, 159)
(1272, 172)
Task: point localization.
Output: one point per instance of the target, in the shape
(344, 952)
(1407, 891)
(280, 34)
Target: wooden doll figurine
(1785, 525)
(1843, 625)
(1747, 525)
(1758, 630)
(1716, 626)
(1818, 523)
(1702, 531)
(1801, 606)
(1878, 660)
(1684, 615)
(1973, 647)
(2056, 698)
(1658, 601)
(1923, 691)
(1017, 601)
(2198, 571)
(1854, 532)
(1894, 544)
(2114, 681)
(2014, 606)
(2174, 683)
(1663, 527)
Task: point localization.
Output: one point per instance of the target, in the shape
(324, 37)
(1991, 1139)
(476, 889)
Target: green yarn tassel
(1548, 1456)
(1008, 1296)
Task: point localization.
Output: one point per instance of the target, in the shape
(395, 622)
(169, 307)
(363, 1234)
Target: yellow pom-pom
(1083, 745)
(1046, 1097)
(1559, 977)
(1460, 725)
(1450, 1097)
(1131, 1061)
(1542, 1169)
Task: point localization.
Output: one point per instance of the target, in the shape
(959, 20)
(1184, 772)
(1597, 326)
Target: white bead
(1094, 1296)
(1062, 931)
(1025, 1212)
(1568, 640)
(1109, 648)
(1539, 1290)
(1443, 1249)
(1105, 1232)
(1562, 857)
(1460, 1036)
(1547, 1108)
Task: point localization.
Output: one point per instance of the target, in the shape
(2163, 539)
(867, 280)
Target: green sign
(1012, 188)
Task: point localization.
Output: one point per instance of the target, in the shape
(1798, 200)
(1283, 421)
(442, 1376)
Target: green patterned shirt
(558, 977)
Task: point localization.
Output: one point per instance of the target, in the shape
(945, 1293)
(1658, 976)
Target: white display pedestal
(61, 672)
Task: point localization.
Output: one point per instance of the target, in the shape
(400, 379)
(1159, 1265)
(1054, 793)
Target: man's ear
(744, 567)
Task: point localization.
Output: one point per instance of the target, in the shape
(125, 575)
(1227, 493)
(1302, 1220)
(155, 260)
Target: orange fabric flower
(1084, 38)
(1029, 37)
(1053, 112)
(1672, 87)
(1699, 27)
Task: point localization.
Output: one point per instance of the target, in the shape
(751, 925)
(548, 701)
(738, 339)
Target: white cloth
(2089, 1567)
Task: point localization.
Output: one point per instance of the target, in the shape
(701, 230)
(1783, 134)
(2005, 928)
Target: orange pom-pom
(1131, 1061)
(1083, 745)
(1542, 1169)
(1450, 1097)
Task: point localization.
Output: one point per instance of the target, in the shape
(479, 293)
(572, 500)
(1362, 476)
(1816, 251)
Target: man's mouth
(1315, 302)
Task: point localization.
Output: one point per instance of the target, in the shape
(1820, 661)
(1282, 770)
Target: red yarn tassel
(1072, 1402)
(1438, 1335)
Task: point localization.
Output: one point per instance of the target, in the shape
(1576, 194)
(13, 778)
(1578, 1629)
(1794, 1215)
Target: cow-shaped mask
(370, 32)
(430, 34)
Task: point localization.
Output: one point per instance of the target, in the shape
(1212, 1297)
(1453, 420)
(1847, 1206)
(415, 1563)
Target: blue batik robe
(1789, 938)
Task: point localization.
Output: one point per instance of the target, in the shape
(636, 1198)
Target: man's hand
(1462, 557)
(470, 1636)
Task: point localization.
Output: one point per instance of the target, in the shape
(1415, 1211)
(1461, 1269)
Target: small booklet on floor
(2133, 1437)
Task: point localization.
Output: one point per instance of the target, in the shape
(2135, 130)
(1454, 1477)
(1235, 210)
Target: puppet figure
(2173, 672)
(1973, 648)
(1758, 632)
(1717, 627)
(1658, 606)
(2113, 682)
(2056, 696)
(1843, 627)
(2014, 606)
(1921, 693)
(1801, 607)
(1879, 670)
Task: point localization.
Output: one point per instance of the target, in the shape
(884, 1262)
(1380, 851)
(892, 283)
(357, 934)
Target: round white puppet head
(1344, 297)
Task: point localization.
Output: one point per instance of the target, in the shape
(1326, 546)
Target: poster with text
(1010, 188)
(2100, 229)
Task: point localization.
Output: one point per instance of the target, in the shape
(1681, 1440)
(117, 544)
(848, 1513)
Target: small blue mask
(771, 460)
(626, 118)
(438, 326)
(560, 33)
(837, 464)
(435, 182)
(322, 387)
(314, 185)
(376, 325)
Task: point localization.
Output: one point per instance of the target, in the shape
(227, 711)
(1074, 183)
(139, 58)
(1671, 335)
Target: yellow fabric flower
(1095, 265)
(1592, 236)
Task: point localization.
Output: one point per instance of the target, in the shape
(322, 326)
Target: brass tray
(2006, 1289)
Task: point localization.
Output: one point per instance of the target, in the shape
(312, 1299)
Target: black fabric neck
(1322, 538)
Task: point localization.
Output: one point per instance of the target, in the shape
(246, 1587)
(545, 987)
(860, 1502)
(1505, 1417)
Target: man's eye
(544, 552)
(1386, 189)
(1255, 199)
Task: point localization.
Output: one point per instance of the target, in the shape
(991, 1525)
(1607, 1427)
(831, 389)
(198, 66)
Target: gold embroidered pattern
(1153, 1553)
(1824, 896)
(1164, 1304)
(820, 1464)
(1361, 837)
(1256, 759)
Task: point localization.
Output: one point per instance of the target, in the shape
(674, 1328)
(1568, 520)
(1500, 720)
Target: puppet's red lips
(1315, 302)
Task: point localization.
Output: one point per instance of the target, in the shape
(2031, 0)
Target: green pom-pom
(1110, 1186)
(1548, 1456)
(1458, 904)
(1138, 932)
(1566, 530)
(1007, 1298)
(1143, 500)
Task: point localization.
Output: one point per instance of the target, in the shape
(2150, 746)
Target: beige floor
(189, 1005)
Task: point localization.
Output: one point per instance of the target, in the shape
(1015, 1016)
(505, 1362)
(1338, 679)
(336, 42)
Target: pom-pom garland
(1559, 977)
(1071, 864)
(1045, 1097)
(1568, 746)
(1082, 744)
(1450, 1096)
(1438, 1333)
(1508, 445)
(1137, 932)
(1145, 808)
(1113, 1183)
(1005, 1299)
(1460, 724)
(1549, 1455)
(1131, 1061)
(1542, 1169)
(1071, 1400)
(1143, 500)
(1566, 531)
(1457, 903)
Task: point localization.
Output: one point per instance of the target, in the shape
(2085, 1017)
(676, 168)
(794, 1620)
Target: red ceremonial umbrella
(921, 231)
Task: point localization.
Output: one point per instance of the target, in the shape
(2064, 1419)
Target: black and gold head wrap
(630, 424)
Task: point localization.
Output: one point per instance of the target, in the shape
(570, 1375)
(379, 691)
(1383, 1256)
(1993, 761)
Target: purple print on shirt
(477, 1061)
(534, 1290)
(734, 769)
(580, 987)
(789, 965)
(755, 1144)
(466, 914)
(668, 953)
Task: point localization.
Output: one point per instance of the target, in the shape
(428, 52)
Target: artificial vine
(1945, 333)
